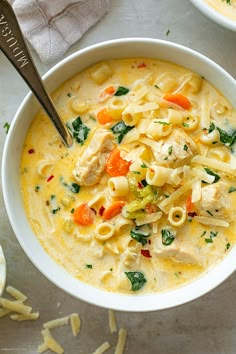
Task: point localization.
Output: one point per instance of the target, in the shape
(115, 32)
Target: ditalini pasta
(144, 200)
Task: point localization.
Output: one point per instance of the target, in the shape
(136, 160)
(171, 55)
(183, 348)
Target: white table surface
(205, 326)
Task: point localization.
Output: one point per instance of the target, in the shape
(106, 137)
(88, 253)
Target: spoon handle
(13, 46)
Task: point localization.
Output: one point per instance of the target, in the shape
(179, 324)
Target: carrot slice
(83, 215)
(115, 165)
(108, 91)
(113, 209)
(103, 116)
(178, 99)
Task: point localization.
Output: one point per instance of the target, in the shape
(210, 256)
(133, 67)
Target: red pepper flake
(31, 151)
(146, 253)
(149, 242)
(142, 65)
(151, 208)
(192, 214)
(101, 210)
(140, 185)
(49, 178)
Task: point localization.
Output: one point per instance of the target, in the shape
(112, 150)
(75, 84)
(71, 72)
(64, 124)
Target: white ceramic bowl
(135, 47)
(215, 15)
(2, 271)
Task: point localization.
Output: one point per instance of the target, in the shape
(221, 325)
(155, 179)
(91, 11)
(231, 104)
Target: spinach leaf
(167, 237)
(232, 189)
(137, 280)
(210, 172)
(79, 130)
(140, 235)
(120, 129)
(211, 128)
(121, 91)
(74, 187)
(89, 266)
(226, 138)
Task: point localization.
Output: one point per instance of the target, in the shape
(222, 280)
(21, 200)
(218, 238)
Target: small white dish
(2, 271)
(214, 15)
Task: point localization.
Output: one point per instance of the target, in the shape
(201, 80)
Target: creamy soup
(225, 7)
(144, 200)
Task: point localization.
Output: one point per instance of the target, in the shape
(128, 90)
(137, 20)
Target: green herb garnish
(232, 189)
(227, 246)
(55, 207)
(208, 240)
(211, 173)
(208, 211)
(79, 130)
(167, 32)
(185, 147)
(6, 127)
(120, 129)
(160, 122)
(143, 165)
(137, 280)
(167, 237)
(211, 128)
(213, 234)
(226, 138)
(37, 188)
(89, 266)
(170, 149)
(121, 91)
(140, 235)
(185, 125)
(74, 187)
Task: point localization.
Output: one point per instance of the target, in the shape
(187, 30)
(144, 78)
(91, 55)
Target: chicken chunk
(215, 201)
(165, 251)
(183, 253)
(90, 165)
(175, 150)
(188, 254)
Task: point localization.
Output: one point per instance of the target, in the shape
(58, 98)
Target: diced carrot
(103, 116)
(115, 165)
(113, 209)
(189, 204)
(108, 91)
(83, 215)
(178, 99)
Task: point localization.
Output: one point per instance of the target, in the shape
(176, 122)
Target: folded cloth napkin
(52, 26)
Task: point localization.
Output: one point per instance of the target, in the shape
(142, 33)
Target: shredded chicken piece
(90, 165)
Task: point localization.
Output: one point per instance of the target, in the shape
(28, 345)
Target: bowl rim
(3, 271)
(117, 301)
(215, 15)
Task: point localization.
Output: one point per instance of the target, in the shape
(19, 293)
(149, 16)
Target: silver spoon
(13, 46)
